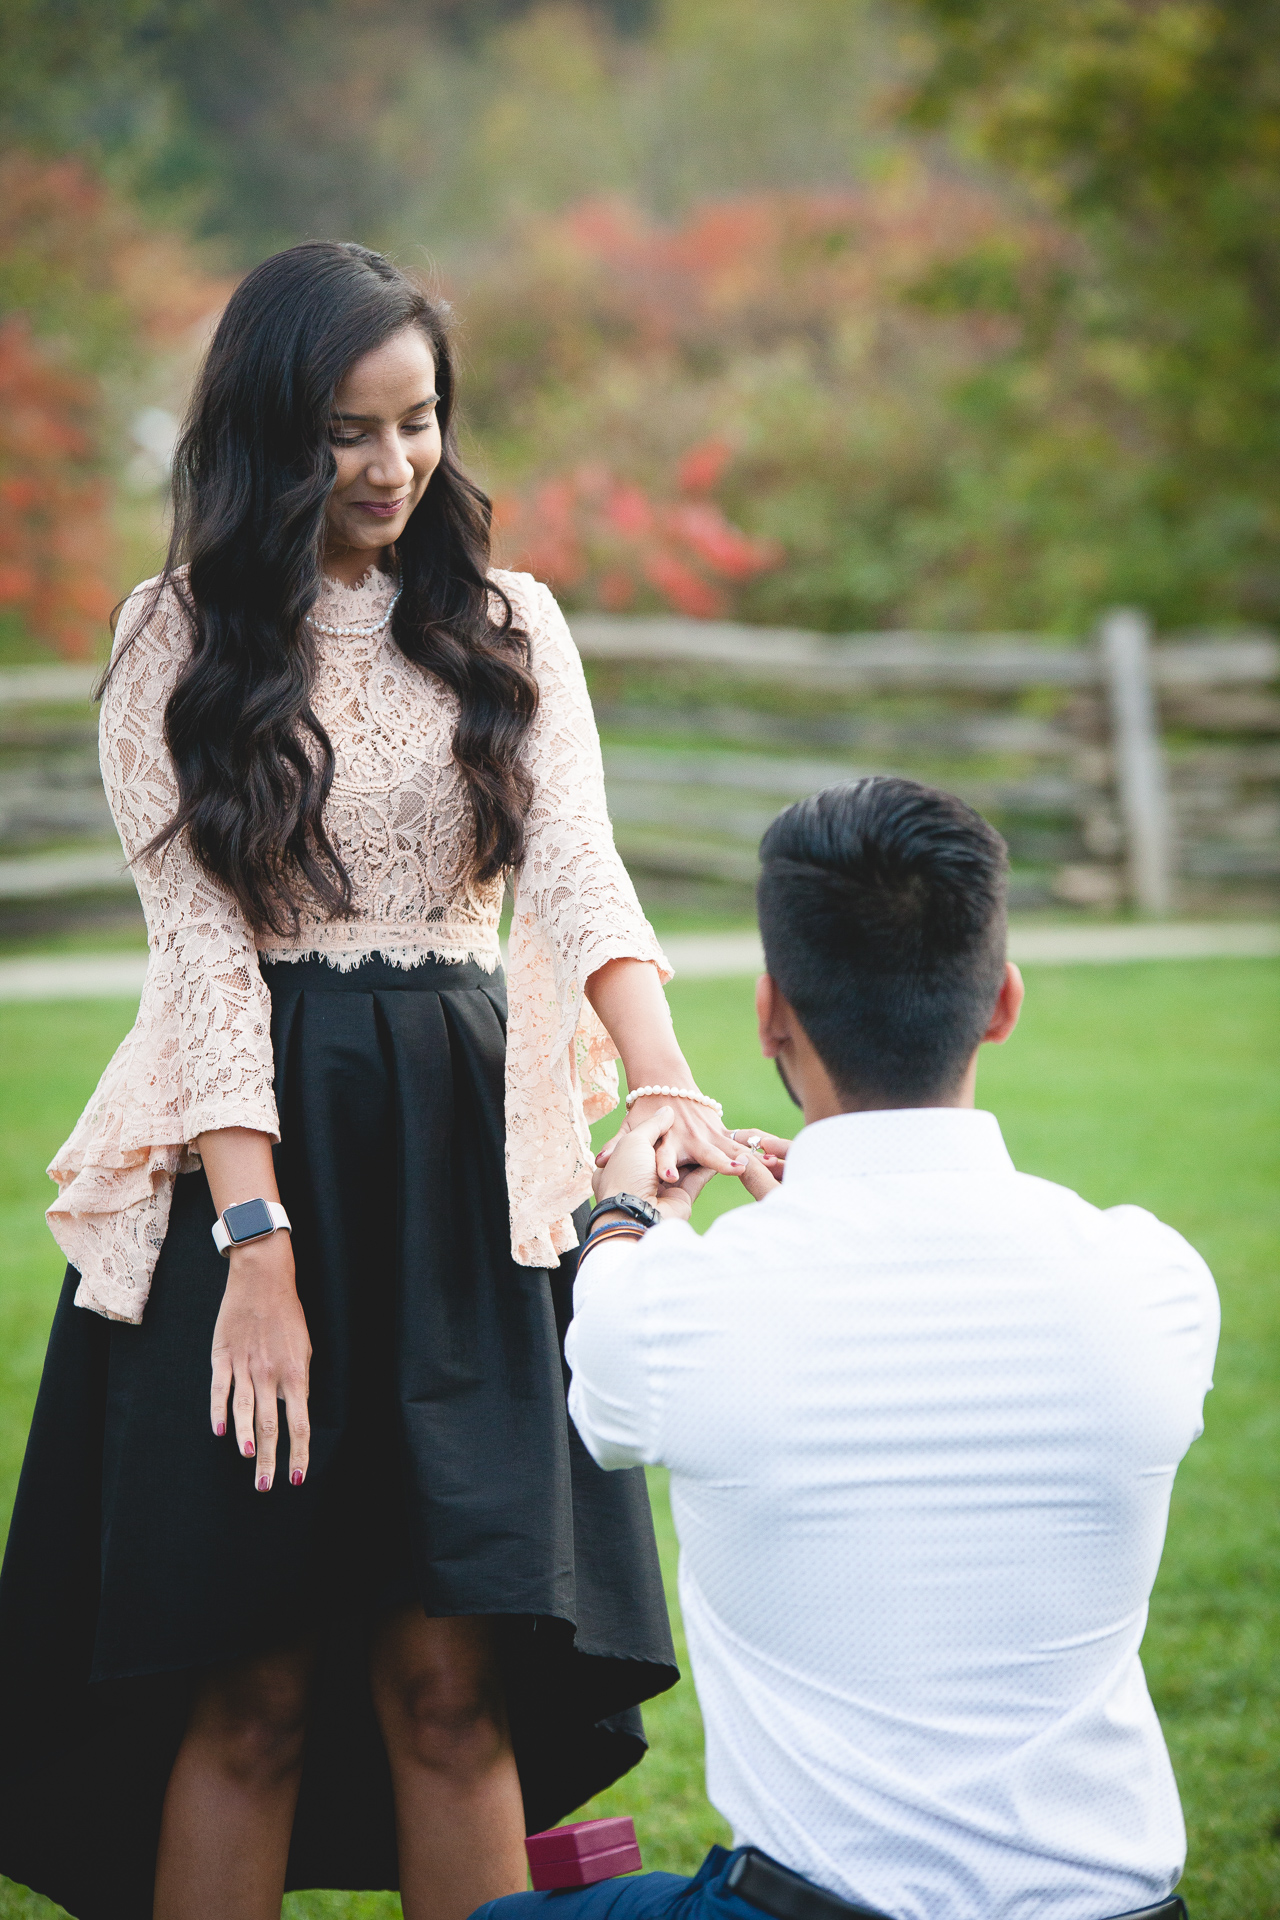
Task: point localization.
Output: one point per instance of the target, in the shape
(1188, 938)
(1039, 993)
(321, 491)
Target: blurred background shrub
(846, 314)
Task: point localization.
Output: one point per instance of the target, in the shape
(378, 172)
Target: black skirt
(444, 1471)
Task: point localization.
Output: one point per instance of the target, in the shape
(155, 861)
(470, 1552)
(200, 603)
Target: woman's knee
(451, 1723)
(441, 1701)
(253, 1719)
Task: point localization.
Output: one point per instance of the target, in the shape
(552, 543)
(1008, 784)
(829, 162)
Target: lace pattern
(199, 1055)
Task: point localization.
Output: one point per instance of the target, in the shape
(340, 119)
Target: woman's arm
(260, 1341)
(578, 932)
(628, 996)
(207, 1005)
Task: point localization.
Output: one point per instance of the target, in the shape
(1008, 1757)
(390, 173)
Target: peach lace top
(199, 1055)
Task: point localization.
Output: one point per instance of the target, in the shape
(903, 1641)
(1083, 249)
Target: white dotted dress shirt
(922, 1414)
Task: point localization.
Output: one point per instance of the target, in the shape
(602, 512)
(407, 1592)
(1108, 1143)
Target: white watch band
(223, 1240)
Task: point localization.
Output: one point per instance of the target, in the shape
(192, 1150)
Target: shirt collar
(370, 597)
(898, 1140)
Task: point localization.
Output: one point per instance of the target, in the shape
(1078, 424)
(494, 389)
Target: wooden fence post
(1124, 640)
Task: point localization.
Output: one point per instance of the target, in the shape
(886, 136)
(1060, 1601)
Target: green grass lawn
(1156, 1084)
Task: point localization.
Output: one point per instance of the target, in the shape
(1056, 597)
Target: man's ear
(1008, 1005)
(771, 1011)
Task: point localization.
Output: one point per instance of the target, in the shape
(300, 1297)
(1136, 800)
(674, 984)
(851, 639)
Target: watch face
(248, 1221)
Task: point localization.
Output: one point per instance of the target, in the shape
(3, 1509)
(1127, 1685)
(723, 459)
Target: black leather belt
(776, 1890)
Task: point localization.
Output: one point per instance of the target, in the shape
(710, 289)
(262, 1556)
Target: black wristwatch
(642, 1210)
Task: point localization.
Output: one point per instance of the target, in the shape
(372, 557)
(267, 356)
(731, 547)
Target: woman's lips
(384, 510)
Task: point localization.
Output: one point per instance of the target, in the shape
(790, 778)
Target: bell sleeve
(575, 910)
(199, 1055)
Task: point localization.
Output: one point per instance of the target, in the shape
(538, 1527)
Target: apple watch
(250, 1220)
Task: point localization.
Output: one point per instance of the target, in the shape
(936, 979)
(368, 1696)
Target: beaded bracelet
(675, 1093)
(631, 1227)
(624, 1230)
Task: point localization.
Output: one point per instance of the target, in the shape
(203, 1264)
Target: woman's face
(386, 441)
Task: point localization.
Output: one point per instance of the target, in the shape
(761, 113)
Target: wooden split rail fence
(1121, 770)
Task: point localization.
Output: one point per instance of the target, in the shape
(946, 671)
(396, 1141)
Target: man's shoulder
(1125, 1227)
(1031, 1213)
(1131, 1279)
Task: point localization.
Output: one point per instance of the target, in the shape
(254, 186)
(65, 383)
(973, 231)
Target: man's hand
(632, 1167)
(695, 1137)
(757, 1179)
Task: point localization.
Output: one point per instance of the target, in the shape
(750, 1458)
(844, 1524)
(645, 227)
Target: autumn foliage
(605, 539)
(86, 292)
(54, 527)
(742, 412)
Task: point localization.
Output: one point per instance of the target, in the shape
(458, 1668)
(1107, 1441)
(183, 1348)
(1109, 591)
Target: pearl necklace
(358, 629)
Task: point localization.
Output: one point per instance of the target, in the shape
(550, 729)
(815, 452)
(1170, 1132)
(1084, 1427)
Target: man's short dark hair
(883, 915)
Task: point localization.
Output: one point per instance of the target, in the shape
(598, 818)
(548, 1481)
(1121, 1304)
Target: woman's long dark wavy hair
(253, 472)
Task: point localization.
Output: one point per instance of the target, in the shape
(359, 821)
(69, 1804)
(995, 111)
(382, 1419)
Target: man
(922, 1415)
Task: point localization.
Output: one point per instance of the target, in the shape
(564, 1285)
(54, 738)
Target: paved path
(79, 976)
(701, 956)
(100, 870)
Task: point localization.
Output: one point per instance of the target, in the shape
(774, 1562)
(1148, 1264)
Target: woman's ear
(1008, 1005)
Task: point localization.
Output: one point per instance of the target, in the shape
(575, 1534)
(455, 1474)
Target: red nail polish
(221, 1428)
(248, 1449)
(263, 1483)
(296, 1476)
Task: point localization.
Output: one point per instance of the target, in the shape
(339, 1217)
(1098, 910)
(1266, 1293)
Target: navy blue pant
(637, 1896)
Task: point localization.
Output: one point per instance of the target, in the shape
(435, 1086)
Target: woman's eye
(420, 426)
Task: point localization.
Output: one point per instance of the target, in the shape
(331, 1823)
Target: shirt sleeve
(204, 989)
(575, 910)
(199, 1055)
(573, 894)
(626, 1335)
(609, 1394)
(1178, 1297)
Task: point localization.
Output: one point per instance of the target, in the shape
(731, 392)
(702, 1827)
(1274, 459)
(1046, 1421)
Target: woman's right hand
(262, 1355)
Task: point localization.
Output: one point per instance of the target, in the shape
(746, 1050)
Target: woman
(358, 1646)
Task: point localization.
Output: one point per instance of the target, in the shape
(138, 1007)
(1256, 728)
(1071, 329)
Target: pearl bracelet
(675, 1093)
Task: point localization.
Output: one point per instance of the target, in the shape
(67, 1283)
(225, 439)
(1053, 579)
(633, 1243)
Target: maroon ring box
(582, 1853)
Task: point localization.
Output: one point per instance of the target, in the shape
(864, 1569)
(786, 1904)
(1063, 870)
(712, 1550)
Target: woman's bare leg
(459, 1815)
(228, 1810)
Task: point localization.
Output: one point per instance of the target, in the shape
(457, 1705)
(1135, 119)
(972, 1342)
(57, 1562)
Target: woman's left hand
(696, 1137)
(770, 1149)
(633, 1168)
(627, 995)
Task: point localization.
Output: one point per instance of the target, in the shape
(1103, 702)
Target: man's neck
(819, 1099)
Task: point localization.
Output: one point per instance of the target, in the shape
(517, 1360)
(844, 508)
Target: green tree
(260, 122)
(1151, 128)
